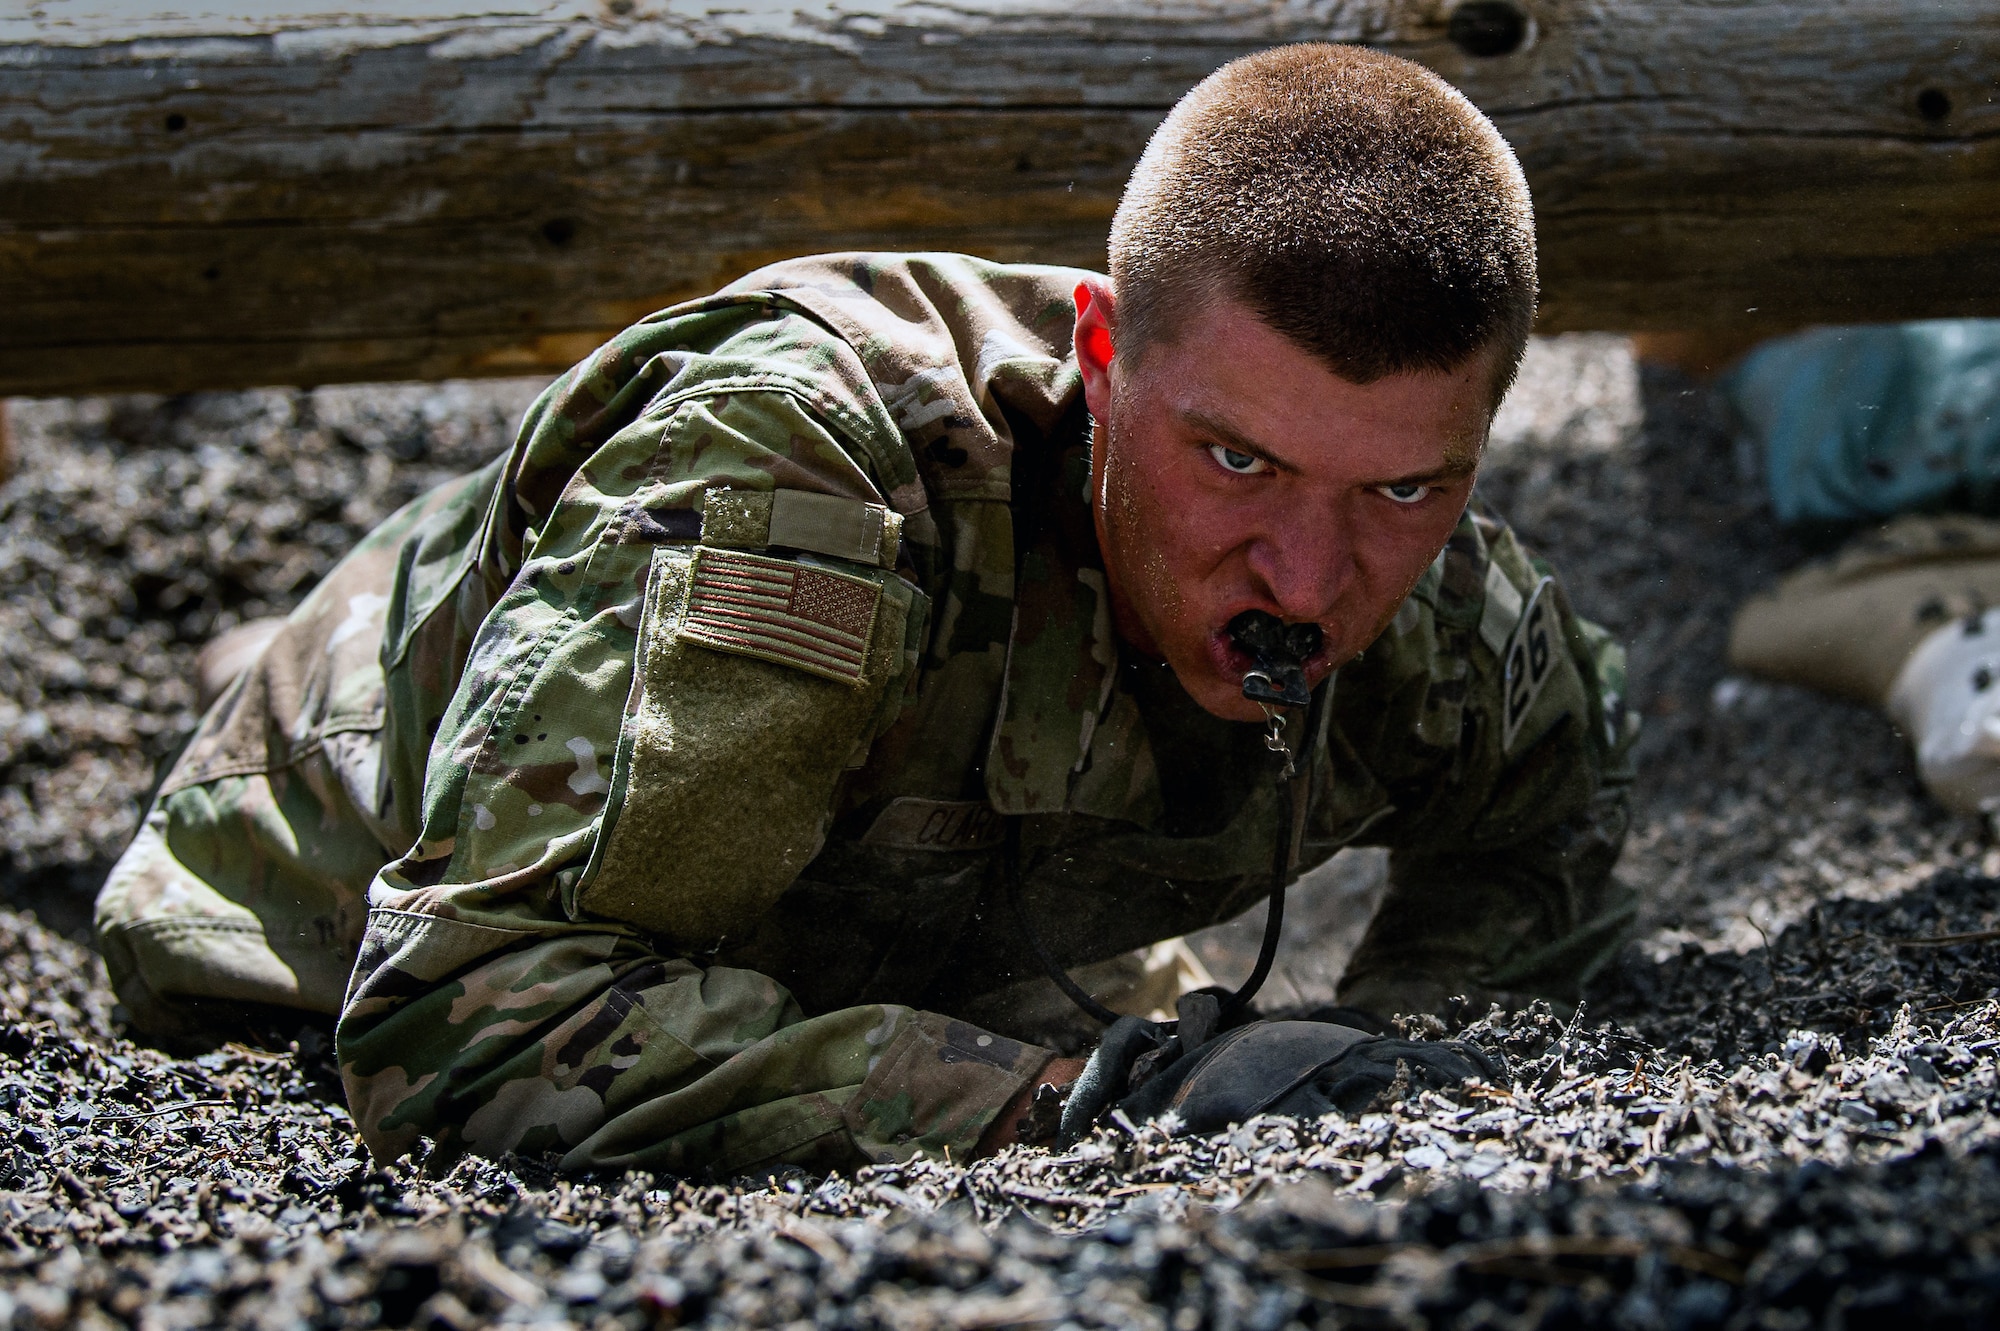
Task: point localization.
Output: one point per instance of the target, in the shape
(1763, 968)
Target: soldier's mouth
(1289, 658)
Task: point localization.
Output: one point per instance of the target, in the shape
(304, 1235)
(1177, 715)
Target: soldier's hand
(1005, 1130)
(1133, 1053)
(1303, 1068)
(1102, 1078)
(1354, 1081)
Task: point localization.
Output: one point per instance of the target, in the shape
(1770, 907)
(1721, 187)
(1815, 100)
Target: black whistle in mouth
(1279, 652)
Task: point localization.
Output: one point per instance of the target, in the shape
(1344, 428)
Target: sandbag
(1847, 626)
(1946, 700)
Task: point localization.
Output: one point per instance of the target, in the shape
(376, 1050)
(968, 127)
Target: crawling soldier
(652, 796)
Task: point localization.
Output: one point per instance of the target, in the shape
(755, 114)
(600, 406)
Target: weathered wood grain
(261, 192)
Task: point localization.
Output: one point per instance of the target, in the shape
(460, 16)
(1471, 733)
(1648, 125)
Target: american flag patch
(798, 615)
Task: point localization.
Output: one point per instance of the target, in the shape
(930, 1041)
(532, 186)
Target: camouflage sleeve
(1498, 738)
(642, 752)
(244, 886)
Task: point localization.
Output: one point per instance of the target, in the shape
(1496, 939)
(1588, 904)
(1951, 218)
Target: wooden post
(267, 193)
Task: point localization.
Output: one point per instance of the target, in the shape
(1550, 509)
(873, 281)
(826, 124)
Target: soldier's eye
(1243, 464)
(1404, 494)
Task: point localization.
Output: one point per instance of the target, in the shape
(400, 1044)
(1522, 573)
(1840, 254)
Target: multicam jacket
(642, 796)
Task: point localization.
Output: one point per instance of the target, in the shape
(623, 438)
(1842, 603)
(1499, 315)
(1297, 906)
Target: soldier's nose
(1304, 573)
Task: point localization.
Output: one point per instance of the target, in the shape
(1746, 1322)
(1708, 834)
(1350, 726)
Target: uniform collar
(1062, 658)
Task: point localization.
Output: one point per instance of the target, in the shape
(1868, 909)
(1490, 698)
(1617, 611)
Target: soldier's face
(1233, 471)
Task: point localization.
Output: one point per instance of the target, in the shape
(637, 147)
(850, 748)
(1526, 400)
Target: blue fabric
(1861, 423)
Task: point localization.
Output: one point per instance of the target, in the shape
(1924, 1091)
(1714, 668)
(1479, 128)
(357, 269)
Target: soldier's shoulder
(894, 279)
(959, 356)
(1003, 330)
(1472, 595)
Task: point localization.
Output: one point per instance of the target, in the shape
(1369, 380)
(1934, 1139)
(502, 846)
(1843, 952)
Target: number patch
(1530, 659)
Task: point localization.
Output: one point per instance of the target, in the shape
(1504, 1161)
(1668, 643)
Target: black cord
(1076, 992)
(1267, 953)
(1274, 907)
(1294, 795)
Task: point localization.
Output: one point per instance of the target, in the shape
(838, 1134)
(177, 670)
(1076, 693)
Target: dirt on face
(1780, 1111)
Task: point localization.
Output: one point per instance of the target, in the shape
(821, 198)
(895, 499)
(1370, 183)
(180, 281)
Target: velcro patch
(797, 615)
(801, 520)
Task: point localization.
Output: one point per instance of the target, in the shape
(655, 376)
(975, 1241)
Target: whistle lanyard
(1294, 801)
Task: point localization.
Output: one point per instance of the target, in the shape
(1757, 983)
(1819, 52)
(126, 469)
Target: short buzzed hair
(1356, 202)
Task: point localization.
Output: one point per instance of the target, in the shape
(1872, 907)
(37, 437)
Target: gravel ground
(1611, 1179)
(136, 528)
(1754, 800)
(1778, 1127)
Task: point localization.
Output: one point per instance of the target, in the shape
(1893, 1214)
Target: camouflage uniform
(680, 744)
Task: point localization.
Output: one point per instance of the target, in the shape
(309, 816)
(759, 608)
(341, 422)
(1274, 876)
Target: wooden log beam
(262, 192)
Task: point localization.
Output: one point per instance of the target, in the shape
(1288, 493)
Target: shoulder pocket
(756, 679)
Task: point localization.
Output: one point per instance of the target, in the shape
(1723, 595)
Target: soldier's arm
(640, 756)
(1499, 737)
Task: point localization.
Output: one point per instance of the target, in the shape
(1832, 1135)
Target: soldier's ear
(1096, 320)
